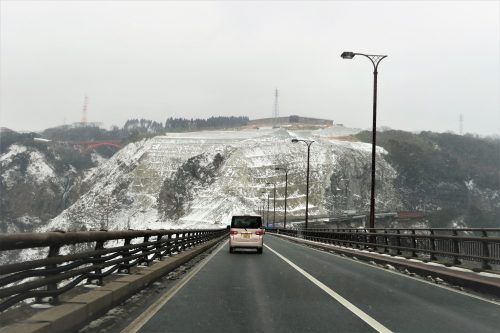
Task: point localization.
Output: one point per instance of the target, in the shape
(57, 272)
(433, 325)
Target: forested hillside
(454, 176)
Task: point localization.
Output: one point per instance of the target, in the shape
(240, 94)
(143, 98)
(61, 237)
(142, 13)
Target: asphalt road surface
(292, 288)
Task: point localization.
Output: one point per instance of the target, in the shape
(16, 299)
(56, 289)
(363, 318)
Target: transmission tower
(461, 128)
(276, 109)
(84, 110)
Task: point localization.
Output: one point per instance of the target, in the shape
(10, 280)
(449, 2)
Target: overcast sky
(160, 59)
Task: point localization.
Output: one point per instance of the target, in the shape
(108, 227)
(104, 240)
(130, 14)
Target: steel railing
(77, 256)
(461, 246)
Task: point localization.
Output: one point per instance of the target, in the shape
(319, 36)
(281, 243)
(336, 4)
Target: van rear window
(246, 222)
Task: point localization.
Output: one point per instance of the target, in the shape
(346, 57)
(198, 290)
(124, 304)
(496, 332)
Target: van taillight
(259, 232)
(233, 232)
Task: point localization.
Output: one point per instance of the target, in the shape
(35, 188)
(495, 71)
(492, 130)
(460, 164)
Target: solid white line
(418, 279)
(140, 321)
(351, 307)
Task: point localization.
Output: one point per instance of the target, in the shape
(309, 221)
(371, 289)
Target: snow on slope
(37, 168)
(123, 191)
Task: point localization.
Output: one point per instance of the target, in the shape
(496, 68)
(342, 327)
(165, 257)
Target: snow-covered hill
(37, 182)
(205, 177)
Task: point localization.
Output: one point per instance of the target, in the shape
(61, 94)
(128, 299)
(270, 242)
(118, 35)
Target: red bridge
(87, 146)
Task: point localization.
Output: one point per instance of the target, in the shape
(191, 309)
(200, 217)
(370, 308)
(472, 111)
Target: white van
(246, 232)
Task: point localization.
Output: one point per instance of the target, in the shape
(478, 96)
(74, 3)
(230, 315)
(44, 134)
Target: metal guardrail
(58, 273)
(462, 246)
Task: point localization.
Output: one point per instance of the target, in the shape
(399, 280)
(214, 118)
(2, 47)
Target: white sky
(160, 59)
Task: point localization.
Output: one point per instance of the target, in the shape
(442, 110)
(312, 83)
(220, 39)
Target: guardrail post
(366, 239)
(360, 238)
(413, 244)
(398, 242)
(99, 245)
(53, 252)
(124, 266)
(456, 249)
(354, 236)
(432, 256)
(170, 244)
(485, 265)
(158, 247)
(374, 239)
(195, 238)
(192, 239)
(386, 242)
(184, 242)
(179, 238)
(144, 248)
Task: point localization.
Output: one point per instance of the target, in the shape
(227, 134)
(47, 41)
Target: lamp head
(295, 140)
(347, 55)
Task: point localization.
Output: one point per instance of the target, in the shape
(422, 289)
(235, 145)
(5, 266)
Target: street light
(267, 222)
(263, 207)
(375, 60)
(308, 143)
(274, 204)
(286, 188)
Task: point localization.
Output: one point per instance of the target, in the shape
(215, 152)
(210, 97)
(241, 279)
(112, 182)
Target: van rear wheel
(259, 250)
(231, 249)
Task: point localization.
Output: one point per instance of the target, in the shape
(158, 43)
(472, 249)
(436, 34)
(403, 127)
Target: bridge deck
(247, 292)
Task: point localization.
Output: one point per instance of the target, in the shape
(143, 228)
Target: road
(292, 288)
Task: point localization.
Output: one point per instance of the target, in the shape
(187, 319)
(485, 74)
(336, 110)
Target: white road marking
(140, 321)
(351, 307)
(419, 279)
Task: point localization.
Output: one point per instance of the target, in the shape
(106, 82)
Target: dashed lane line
(351, 307)
(140, 321)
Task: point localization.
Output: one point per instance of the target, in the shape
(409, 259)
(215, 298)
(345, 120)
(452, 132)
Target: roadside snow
(492, 275)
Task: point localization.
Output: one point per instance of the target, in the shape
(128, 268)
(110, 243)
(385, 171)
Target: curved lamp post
(308, 143)
(375, 60)
(267, 222)
(274, 204)
(286, 189)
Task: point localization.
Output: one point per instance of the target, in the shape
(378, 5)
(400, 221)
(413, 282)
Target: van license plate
(246, 235)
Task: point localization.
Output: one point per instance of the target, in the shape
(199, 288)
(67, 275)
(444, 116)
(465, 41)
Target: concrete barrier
(81, 309)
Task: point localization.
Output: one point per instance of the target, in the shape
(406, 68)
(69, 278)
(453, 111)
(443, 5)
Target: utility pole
(276, 109)
(84, 110)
